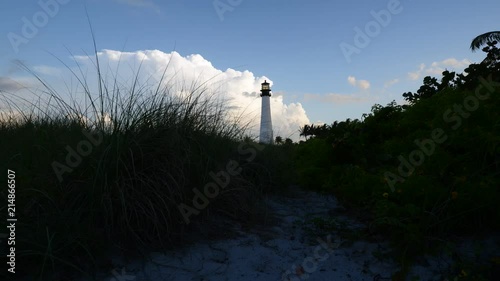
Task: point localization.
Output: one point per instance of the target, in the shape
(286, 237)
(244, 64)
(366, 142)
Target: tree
(431, 86)
(447, 81)
(319, 131)
(492, 55)
(304, 131)
(489, 66)
(483, 39)
(278, 140)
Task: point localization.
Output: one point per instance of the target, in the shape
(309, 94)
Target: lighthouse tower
(266, 125)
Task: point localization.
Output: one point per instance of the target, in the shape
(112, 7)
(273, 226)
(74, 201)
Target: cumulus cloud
(239, 89)
(437, 68)
(362, 84)
(288, 118)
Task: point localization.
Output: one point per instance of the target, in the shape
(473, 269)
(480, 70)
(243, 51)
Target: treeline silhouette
(423, 172)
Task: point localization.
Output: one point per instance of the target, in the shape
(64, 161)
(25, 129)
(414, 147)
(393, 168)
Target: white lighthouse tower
(266, 125)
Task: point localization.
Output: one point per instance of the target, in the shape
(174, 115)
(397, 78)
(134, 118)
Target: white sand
(293, 249)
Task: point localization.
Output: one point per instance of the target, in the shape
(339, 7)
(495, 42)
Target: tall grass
(157, 145)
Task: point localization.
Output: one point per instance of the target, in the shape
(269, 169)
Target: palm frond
(484, 38)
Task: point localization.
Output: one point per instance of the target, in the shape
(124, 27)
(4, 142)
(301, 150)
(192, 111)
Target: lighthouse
(266, 125)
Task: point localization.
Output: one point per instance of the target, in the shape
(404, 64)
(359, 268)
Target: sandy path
(295, 248)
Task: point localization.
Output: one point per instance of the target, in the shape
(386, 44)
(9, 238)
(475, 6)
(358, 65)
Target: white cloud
(351, 80)
(452, 62)
(437, 68)
(390, 83)
(337, 98)
(238, 88)
(415, 75)
(362, 84)
(47, 70)
(287, 118)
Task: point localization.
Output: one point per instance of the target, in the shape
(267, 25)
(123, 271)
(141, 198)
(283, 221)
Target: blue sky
(295, 44)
